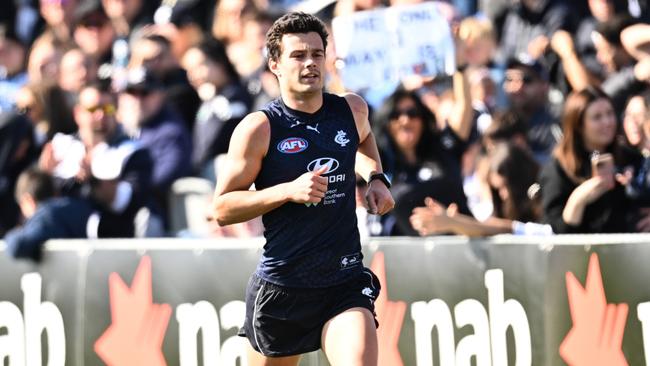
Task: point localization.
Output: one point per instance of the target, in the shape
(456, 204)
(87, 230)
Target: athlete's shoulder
(254, 125)
(356, 103)
(359, 109)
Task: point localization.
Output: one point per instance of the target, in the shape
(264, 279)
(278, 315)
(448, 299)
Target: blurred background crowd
(115, 115)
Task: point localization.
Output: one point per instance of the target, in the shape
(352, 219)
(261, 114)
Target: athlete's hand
(309, 187)
(378, 198)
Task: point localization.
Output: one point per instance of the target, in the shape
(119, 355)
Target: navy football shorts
(284, 321)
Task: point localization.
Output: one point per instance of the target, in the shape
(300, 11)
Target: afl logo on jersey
(331, 163)
(292, 145)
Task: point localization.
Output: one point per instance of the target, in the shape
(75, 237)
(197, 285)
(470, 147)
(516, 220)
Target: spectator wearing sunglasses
(101, 157)
(422, 160)
(527, 87)
(148, 118)
(154, 52)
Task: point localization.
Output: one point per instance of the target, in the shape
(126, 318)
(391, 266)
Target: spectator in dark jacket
(157, 127)
(529, 26)
(580, 193)
(422, 161)
(48, 217)
(601, 11)
(527, 87)
(225, 102)
(17, 151)
(623, 76)
(154, 52)
(92, 31)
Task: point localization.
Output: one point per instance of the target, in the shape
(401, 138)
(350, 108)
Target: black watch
(382, 177)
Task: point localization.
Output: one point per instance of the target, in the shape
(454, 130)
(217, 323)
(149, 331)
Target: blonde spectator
(480, 40)
(76, 70)
(44, 58)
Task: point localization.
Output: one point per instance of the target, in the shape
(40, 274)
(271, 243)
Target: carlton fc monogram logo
(341, 138)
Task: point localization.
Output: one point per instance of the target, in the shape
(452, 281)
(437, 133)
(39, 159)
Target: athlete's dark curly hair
(294, 22)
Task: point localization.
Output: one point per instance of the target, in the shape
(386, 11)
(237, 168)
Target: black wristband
(461, 68)
(382, 177)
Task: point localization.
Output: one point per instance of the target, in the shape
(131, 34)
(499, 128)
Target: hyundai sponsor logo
(292, 145)
(331, 163)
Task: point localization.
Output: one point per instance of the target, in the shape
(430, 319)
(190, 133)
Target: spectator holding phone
(580, 191)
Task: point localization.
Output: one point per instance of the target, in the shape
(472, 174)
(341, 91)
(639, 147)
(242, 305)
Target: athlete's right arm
(233, 201)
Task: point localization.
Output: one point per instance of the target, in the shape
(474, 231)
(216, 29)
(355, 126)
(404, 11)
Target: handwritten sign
(378, 47)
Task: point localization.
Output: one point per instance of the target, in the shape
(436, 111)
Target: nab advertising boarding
(564, 300)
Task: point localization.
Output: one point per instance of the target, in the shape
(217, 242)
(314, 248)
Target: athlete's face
(300, 66)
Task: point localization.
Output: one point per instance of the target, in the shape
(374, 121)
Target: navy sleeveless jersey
(311, 245)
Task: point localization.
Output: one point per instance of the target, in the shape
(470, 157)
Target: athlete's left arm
(378, 197)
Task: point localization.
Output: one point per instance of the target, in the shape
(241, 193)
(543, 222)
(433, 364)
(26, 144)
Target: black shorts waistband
(302, 290)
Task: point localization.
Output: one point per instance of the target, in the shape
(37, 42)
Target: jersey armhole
(354, 122)
(268, 118)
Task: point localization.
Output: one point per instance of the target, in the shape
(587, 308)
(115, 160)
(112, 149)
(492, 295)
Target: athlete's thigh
(350, 338)
(257, 359)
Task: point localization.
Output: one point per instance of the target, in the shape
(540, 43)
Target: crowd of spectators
(543, 128)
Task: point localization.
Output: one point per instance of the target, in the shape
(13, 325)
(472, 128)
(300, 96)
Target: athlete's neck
(309, 103)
